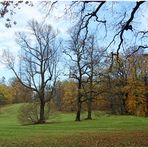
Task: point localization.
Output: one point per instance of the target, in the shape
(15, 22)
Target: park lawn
(62, 130)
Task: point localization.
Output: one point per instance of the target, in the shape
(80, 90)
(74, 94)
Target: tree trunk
(42, 113)
(123, 103)
(138, 109)
(89, 105)
(78, 114)
(112, 105)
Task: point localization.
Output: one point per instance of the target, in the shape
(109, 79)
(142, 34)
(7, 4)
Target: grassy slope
(62, 130)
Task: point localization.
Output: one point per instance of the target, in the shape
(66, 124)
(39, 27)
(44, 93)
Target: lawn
(62, 130)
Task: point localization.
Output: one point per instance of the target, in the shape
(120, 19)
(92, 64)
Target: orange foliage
(69, 96)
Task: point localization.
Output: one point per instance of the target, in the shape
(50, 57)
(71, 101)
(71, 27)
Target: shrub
(29, 113)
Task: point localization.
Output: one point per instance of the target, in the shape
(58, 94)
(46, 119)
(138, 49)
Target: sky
(22, 16)
(57, 19)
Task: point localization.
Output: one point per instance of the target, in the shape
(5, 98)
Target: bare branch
(127, 25)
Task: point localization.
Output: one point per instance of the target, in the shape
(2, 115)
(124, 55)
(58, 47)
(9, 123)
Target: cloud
(7, 35)
(26, 13)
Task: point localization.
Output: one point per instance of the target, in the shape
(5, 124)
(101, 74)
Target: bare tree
(38, 62)
(75, 51)
(94, 59)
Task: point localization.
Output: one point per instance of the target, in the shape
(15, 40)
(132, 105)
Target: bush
(29, 113)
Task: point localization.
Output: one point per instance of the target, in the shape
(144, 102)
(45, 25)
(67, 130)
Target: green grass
(62, 130)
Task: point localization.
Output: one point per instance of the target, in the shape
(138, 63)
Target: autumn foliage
(123, 90)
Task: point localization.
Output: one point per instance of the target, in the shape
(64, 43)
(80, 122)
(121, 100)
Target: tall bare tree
(38, 61)
(94, 60)
(78, 67)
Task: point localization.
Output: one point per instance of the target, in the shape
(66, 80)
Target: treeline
(120, 89)
(14, 92)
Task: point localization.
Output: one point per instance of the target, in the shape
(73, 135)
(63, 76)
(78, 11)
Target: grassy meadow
(62, 130)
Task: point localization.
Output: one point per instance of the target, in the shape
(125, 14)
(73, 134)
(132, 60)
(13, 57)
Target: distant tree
(126, 84)
(2, 99)
(38, 62)
(58, 95)
(6, 94)
(136, 87)
(69, 95)
(117, 79)
(20, 92)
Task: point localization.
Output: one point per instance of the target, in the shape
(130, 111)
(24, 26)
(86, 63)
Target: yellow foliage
(6, 93)
(69, 95)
